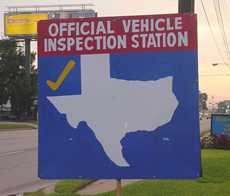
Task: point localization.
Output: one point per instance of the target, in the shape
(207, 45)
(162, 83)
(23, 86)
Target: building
(224, 107)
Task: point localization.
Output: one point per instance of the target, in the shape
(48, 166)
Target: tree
(14, 83)
(203, 101)
(10, 59)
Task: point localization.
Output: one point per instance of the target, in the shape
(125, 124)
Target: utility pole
(28, 59)
(186, 6)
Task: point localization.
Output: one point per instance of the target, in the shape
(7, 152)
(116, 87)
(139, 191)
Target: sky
(217, 86)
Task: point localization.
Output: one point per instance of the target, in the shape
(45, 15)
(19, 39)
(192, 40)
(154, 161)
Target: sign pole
(186, 6)
(118, 187)
(27, 58)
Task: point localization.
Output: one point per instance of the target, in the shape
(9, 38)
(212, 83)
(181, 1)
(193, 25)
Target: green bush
(208, 141)
(218, 142)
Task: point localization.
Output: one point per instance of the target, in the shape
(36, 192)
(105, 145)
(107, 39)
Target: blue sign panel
(119, 113)
(220, 124)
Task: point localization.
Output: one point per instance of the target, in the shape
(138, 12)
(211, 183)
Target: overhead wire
(215, 42)
(220, 21)
(212, 32)
(214, 75)
(226, 8)
(223, 26)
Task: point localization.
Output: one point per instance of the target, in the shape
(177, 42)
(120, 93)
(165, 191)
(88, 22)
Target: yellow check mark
(55, 85)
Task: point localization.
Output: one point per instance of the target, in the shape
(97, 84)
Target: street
(205, 125)
(18, 160)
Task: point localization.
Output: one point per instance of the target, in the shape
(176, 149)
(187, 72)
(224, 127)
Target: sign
(118, 98)
(23, 24)
(84, 13)
(220, 124)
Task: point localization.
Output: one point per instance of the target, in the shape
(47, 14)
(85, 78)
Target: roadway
(205, 125)
(18, 160)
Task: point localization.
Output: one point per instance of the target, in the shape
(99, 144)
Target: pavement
(18, 164)
(205, 125)
(102, 186)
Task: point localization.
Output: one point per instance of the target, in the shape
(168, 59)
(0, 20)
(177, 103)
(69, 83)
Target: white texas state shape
(113, 107)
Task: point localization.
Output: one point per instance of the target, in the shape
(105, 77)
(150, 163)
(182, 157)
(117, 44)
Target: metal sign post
(118, 187)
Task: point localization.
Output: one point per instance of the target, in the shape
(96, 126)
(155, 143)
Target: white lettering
(52, 44)
(135, 43)
(143, 40)
(79, 43)
(100, 28)
(158, 26)
(70, 43)
(171, 39)
(121, 41)
(61, 44)
(178, 23)
(111, 42)
(98, 41)
(109, 28)
(151, 41)
(45, 45)
(126, 25)
(71, 28)
(86, 43)
(53, 30)
(182, 39)
(135, 26)
(144, 25)
(63, 28)
(169, 26)
(83, 27)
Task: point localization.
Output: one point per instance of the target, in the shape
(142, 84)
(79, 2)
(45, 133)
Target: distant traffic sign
(220, 124)
(118, 97)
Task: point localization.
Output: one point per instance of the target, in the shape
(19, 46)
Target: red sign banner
(117, 34)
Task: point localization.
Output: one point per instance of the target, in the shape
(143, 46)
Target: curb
(84, 186)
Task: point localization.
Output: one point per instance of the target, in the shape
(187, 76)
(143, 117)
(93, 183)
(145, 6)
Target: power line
(221, 25)
(212, 32)
(225, 9)
(223, 28)
(214, 75)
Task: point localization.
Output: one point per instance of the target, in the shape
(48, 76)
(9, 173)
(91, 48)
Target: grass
(215, 180)
(37, 193)
(70, 186)
(33, 122)
(8, 126)
(64, 188)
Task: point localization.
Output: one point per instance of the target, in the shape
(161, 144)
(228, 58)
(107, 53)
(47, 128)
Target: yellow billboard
(23, 24)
